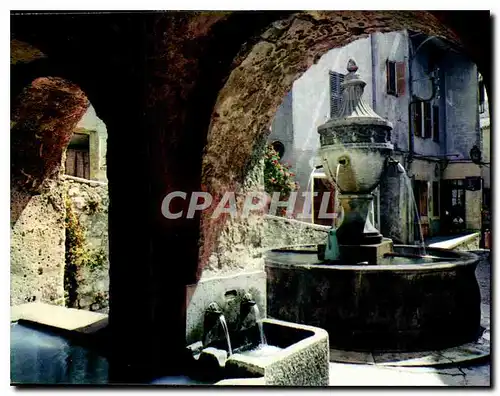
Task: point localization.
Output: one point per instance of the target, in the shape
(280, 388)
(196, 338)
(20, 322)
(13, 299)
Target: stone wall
(37, 247)
(38, 243)
(89, 201)
(279, 232)
(462, 117)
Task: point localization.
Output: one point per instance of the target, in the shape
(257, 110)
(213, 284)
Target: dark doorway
(322, 187)
(453, 206)
(421, 194)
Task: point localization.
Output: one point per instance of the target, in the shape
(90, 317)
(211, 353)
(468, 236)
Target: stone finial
(351, 66)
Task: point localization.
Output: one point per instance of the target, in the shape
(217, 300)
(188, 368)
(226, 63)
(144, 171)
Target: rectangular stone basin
(302, 361)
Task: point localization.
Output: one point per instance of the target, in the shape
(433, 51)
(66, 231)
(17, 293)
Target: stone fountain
(355, 148)
(367, 293)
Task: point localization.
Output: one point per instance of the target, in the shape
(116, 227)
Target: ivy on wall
(78, 255)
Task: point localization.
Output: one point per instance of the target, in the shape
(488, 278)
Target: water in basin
(263, 350)
(308, 256)
(43, 357)
(178, 380)
(398, 260)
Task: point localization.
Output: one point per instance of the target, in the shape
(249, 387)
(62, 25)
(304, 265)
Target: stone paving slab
(60, 317)
(342, 374)
(337, 355)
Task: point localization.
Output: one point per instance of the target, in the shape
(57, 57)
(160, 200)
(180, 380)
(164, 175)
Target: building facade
(433, 96)
(86, 152)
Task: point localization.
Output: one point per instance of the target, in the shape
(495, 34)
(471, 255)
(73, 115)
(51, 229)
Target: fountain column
(355, 146)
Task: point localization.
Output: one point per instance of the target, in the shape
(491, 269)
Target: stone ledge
(81, 180)
(68, 319)
(298, 223)
(454, 243)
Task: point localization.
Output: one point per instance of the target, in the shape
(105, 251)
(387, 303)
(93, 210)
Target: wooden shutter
(78, 163)
(70, 162)
(336, 80)
(427, 120)
(416, 111)
(401, 78)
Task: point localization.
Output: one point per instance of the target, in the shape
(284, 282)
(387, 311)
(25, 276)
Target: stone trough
(301, 360)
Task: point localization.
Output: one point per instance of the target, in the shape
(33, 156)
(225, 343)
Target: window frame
(481, 95)
(395, 78)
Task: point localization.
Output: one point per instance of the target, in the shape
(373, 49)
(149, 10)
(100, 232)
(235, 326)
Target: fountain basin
(298, 356)
(403, 304)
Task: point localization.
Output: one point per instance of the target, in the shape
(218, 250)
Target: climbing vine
(77, 255)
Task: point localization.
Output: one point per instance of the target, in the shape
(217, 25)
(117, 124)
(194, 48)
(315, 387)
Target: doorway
(453, 206)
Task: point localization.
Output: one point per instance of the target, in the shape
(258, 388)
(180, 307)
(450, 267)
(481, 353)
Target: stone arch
(261, 76)
(42, 123)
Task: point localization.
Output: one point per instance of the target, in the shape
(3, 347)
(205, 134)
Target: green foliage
(77, 255)
(278, 176)
(97, 260)
(75, 250)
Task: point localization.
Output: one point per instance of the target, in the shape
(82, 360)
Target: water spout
(222, 320)
(213, 314)
(258, 319)
(249, 306)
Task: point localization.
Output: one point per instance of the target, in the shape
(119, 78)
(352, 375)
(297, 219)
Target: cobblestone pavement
(467, 374)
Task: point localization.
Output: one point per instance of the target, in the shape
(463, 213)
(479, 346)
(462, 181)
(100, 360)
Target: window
(427, 120)
(77, 156)
(422, 119)
(481, 94)
(417, 118)
(396, 72)
(279, 148)
(336, 80)
(435, 123)
(435, 198)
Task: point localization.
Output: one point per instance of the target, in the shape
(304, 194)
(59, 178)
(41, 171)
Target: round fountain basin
(407, 303)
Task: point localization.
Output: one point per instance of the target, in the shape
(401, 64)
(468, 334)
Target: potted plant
(278, 177)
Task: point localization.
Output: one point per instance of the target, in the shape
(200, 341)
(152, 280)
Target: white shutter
(336, 80)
